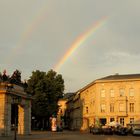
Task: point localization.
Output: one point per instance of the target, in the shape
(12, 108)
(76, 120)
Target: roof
(8, 88)
(67, 95)
(121, 77)
(113, 77)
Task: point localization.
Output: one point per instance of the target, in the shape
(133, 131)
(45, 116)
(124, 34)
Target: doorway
(14, 116)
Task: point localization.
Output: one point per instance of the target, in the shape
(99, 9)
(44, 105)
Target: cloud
(114, 48)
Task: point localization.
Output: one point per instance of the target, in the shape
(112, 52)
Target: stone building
(69, 112)
(61, 113)
(112, 98)
(62, 103)
(14, 95)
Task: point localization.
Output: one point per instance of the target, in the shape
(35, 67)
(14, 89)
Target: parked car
(107, 131)
(121, 131)
(91, 128)
(96, 130)
(136, 131)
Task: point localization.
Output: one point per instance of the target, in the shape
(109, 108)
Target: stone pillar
(2, 112)
(20, 120)
(24, 119)
(5, 115)
(28, 119)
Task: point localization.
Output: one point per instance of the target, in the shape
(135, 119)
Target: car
(96, 130)
(107, 131)
(91, 128)
(121, 131)
(136, 131)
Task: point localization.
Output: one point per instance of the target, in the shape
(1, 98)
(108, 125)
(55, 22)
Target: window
(122, 121)
(131, 120)
(112, 119)
(112, 107)
(102, 107)
(102, 93)
(131, 107)
(121, 92)
(131, 92)
(112, 93)
(121, 107)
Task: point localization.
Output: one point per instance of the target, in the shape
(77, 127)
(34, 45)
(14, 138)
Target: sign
(53, 124)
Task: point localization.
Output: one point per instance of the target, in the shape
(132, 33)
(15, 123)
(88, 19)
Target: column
(28, 120)
(20, 120)
(2, 106)
(5, 115)
(24, 119)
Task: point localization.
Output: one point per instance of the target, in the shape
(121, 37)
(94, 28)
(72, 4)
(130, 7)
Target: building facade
(61, 113)
(14, 95)
(112, 98)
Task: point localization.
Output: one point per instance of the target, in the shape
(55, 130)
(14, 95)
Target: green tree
(5, 78)
(16, 77)
(47, 89)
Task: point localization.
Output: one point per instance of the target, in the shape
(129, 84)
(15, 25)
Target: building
(61, 113)
(112, 98)
(14, 101)
(69, 112)
(62, 110)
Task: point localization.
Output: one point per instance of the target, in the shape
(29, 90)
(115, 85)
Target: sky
(81, 39)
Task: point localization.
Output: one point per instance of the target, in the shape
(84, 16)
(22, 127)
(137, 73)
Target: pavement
(45, 135)
(68, 135)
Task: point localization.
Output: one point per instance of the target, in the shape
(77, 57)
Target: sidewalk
(48, 135)
(35, 135)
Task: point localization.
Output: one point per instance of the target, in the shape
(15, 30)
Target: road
(69, 135)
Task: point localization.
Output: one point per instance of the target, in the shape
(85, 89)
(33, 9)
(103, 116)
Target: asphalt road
(69, 135)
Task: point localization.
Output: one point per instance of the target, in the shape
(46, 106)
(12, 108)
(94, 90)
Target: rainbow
(26, 33)
(79, 41)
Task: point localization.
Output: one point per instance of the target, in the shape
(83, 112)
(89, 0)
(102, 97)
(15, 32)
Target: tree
(4, 76)
(47, 89)
(16, 77)
(0, 77)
